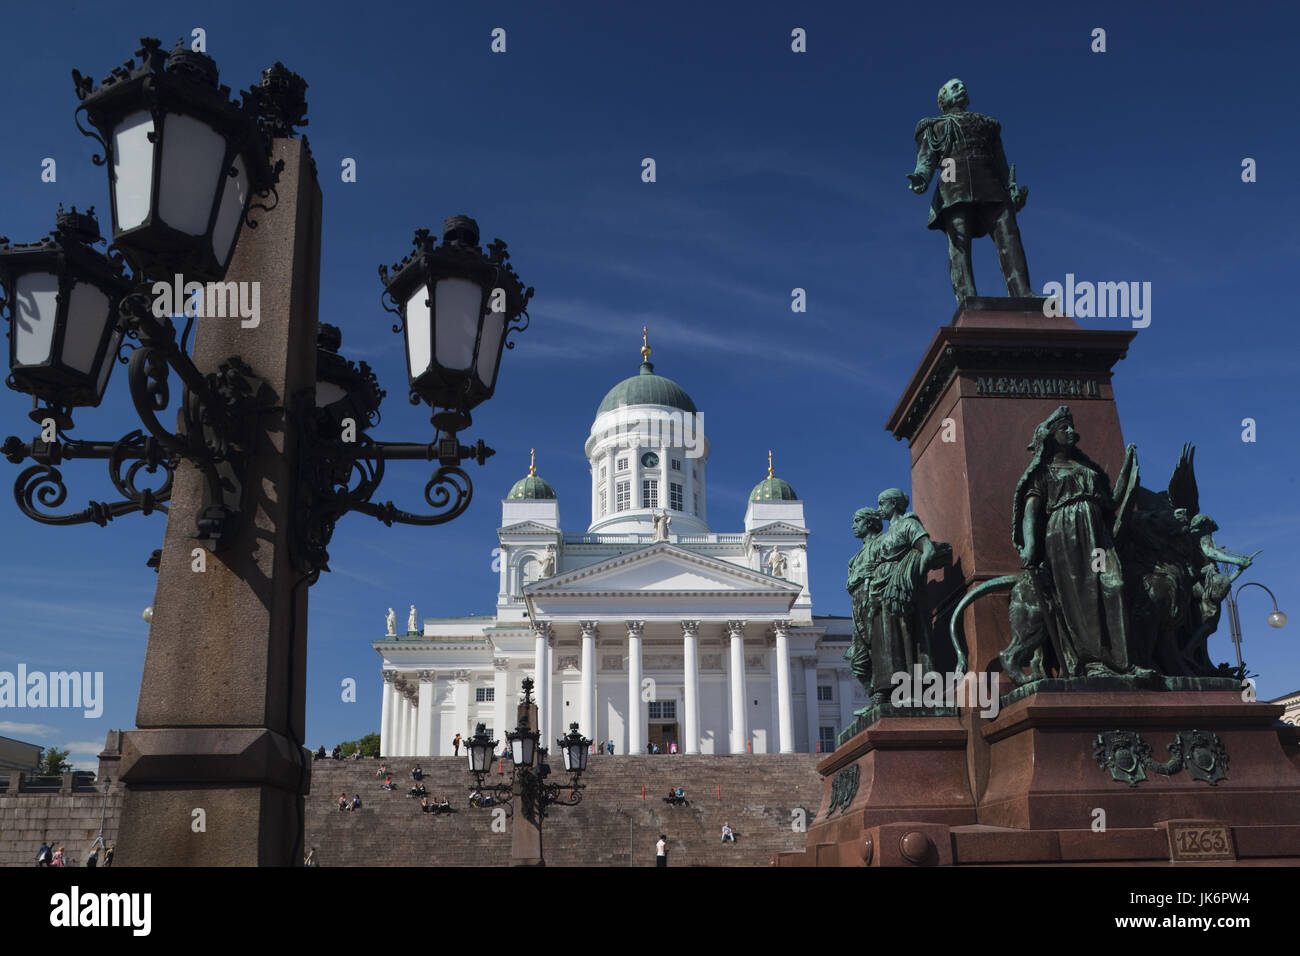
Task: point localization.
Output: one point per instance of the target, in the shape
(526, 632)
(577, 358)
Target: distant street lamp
(1276, 619)
(527, 783)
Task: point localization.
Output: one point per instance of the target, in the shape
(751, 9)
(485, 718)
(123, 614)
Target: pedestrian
(43, 854)
(108, 855)
(611, 748)
(727, 833)
(93, 859)
(356, 802)
(343, 801)
(661, 851)
(455, 743)
(58, 857)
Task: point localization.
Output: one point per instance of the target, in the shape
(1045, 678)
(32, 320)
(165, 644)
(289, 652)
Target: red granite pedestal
(1026, 786)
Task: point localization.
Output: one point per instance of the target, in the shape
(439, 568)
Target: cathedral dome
(772, 488)
(646, 388)
(531, 486)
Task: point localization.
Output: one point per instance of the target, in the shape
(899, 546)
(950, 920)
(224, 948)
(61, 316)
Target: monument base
(1131, 776)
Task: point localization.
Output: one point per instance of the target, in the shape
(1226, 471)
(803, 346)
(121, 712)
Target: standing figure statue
(410, 621)
(900, 631)
(867, 525)
(977, 194)
(662, 524)
(1061, 524)
(776, 563)
(548, 562)
(391, 620)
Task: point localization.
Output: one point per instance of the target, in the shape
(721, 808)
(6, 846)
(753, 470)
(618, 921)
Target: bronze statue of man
(977, 194)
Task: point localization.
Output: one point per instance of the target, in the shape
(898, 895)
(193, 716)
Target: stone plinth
(967, 414)
(1043, 773)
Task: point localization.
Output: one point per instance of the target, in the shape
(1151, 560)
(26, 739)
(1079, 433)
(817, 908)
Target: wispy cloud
(8, 727)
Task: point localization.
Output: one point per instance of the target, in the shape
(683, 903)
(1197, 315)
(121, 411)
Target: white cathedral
(646, 629)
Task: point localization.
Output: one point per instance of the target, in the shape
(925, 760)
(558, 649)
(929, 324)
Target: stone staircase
(758, 794)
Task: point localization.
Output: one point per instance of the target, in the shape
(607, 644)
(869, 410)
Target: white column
(411, 716)
(386, 715)
(636, 738)
(845, 691)
(399, 745)
(691, 652)
(424, 726)
(587, 708)
(810, 688)
(541, 633)
(460, 704)
(784, 692)
(739, 733)
(500, 706)
(547, 718)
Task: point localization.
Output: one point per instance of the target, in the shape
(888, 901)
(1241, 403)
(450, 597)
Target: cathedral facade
(648, 629)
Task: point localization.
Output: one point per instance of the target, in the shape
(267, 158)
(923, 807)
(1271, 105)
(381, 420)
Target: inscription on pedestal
(1036, 386)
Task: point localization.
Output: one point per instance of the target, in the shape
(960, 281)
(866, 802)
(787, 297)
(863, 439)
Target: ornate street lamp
(482, 750)
(574, 747)
(528, 777)
(456, 305)
(184, 160)
(62, 296)
(523, 745)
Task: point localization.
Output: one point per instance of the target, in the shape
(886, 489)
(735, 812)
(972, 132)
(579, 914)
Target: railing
(711, 538)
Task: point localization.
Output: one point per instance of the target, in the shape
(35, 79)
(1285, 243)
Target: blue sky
(775, 171)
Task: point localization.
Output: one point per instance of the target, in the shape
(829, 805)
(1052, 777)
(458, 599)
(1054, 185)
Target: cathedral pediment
(779, 528)
(662, 569)
(527, 527)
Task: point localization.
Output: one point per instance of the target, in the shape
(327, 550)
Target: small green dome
(531, 487)
(646, 388)
(773, 489)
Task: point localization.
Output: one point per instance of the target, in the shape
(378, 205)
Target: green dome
(531, 487)
(647, 388)
(773, 489)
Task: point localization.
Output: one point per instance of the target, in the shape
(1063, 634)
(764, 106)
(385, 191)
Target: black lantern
(481, 750)
(344, 390)
(523, 745)
(183, 160)
(456, 305)
(62, 299)
(574, 747)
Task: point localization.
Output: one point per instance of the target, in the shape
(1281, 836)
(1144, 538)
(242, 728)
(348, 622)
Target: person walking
(455, 743)
(661, 851)
(108, 855)
(43, 854)
(58, 857)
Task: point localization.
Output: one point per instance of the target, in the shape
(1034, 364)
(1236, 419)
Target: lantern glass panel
(568, 757)
(418, 334)
(234, 198)
(35, 311)
(494, 324)
(192, 168)
(458, 308)
(133, 169)
(87, 316)
(327, 393)
(110, 359)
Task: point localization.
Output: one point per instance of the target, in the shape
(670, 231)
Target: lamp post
(1276, 619)
(528, 777)
(271, 445)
